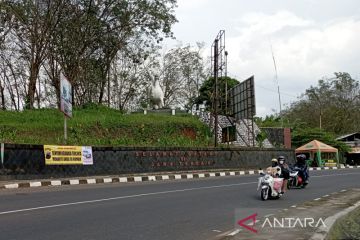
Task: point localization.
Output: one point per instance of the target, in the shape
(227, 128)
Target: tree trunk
(2, 96)
(10, 90)
(30, 96)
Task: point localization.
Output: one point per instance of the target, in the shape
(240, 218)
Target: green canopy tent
(315, 148)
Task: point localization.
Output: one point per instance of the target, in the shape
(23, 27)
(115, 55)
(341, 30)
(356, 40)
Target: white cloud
(191, 4)
(267, 24)
(304, 53)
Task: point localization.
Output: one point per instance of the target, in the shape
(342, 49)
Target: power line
(275, 91)
(269, 89)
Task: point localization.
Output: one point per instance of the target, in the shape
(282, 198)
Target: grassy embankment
(347, 227)
(101, 126)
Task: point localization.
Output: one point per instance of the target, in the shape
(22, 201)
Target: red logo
(242, 222)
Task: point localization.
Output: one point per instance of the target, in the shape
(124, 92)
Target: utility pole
(277, 82)
(226, 97)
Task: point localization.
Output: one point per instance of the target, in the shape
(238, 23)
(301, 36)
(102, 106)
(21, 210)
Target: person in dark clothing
(302, 166)
(284, 172)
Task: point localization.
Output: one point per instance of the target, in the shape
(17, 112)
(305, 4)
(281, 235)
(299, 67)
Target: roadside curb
(323, 232)
(141, 178)
(328, 208)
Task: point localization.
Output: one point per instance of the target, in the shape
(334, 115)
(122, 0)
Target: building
(353, 141)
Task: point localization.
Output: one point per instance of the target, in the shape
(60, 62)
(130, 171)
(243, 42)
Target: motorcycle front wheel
(264, 194)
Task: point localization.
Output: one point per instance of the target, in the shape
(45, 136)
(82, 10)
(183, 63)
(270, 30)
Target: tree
(98, 30)
(301, 136)
(182, 73)
(207, 92)
(33, 22)
(80, 38)
(332, 105)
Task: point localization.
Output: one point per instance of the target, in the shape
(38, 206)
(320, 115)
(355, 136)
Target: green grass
(347, 227)
(99, 125)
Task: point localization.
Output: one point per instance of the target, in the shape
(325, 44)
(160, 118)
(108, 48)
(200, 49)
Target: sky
(310, 40)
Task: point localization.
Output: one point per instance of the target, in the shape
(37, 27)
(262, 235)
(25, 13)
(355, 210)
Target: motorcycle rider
(274, 170)
(284, 172)
(301, 164)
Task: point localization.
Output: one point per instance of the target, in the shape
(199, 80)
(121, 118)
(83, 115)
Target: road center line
(122, 197)
(143, 195)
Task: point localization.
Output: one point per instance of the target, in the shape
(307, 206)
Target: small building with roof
(353, 141)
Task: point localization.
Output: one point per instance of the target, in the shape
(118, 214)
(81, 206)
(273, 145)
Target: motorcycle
(295, 180)
(269, 186)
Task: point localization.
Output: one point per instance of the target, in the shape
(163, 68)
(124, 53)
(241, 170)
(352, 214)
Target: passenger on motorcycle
(274, 170)
(284, 172)
(302, 166)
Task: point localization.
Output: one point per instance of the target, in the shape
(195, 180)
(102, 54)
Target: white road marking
(177, 176)
(91, 181)
(35, 184)
(218, 231)
(123, 197)
(107, 180)
(340, 174)
(55, 183)
(317, 199)
(137, 179)
(269, 215)
(251, 224)
(74, 181)
(326, 195)
(123, 179)
(233, 233)
(152, 178)
(14, 185)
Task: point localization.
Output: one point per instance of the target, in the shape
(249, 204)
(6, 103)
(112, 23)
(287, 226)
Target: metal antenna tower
(218, 68)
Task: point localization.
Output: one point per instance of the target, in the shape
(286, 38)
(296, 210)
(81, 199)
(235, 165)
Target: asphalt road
(183, 209)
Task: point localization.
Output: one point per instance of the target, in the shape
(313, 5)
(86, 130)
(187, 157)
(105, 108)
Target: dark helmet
(301, 157)
(281, 160)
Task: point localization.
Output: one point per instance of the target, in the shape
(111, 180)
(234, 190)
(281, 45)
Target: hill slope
(102, 126)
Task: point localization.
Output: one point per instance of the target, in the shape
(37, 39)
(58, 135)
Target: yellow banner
(68, 155)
